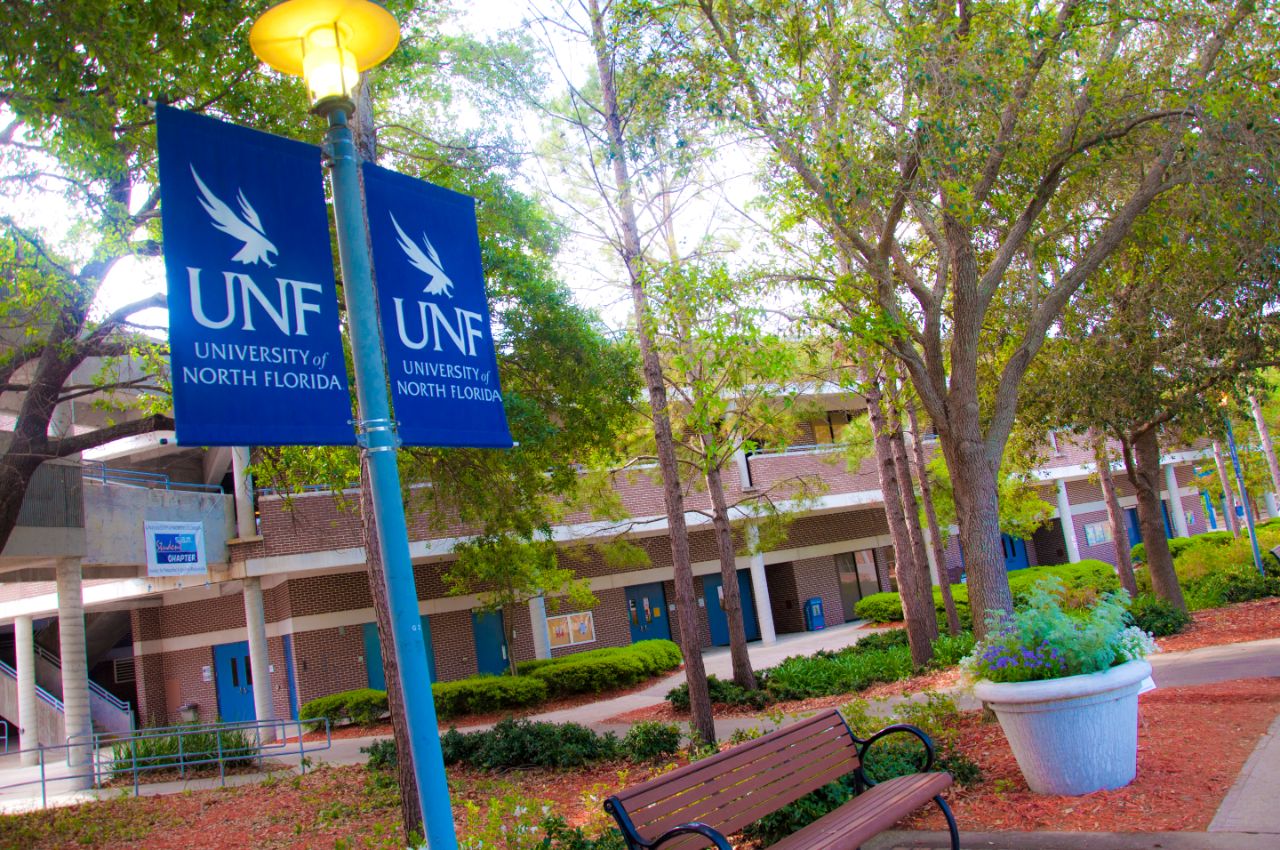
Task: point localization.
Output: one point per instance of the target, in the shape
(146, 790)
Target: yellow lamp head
(327, 42)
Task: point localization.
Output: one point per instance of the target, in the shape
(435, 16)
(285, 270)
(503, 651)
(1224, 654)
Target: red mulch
(1244, 621)
(1192, 743)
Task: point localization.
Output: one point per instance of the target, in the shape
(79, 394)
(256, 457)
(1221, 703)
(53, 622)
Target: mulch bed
(1244, 621)
(1192, 743)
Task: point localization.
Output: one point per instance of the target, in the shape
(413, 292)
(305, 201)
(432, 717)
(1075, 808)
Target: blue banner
(441, 361)
(255, 349)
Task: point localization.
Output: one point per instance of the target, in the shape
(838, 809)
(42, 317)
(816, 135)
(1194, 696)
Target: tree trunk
(409, 811)
(673, 496)
(1119, 532)
(1145, 474)
(1228, 494)
(931, 517)
(978, 515)
(1268, 448)
(921, 582)
(917, 610)
(743, 675)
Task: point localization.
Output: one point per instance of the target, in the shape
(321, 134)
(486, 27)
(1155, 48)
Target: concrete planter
(1072, 735)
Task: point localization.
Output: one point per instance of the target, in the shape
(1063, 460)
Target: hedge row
(585, 672)
(887, 607)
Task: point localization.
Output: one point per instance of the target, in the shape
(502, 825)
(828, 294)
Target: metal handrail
(44, 695)
(137, 478)
(111, 699)
(100, 764)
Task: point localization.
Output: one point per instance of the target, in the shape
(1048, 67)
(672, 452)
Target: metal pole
(379, 442)
(1244, 495)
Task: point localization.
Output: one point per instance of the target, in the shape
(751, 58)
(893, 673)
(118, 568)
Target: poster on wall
(570, 629)
(175, 549)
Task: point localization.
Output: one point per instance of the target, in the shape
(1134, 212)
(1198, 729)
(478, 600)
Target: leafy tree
(76, 137)
(1177, 317)
(735, 387)
(949, 150)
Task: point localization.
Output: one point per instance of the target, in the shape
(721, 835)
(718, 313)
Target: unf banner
(435, 318)
(255, 348)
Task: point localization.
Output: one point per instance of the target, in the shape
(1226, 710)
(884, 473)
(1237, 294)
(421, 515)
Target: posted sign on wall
(175, 549)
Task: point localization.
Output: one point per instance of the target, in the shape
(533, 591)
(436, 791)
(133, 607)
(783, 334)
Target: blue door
(373, 655)
(1015, 552)
(647, 612)
(234, 682)
(491, 643)
(1131, 523)
(712, 586)
(293, 683)
(1164, 513)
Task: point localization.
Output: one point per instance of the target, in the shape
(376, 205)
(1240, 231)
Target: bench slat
(828, 729)
(868, 814)
(810, 770)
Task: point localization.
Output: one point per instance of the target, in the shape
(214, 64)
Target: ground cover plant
(186, 749)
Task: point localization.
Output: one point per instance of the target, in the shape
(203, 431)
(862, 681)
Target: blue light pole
(330, 42)
(1244, 494)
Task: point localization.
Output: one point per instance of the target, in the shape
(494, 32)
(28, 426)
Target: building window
(1097, 532)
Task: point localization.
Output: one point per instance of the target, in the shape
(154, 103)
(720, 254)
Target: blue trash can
(814, 619)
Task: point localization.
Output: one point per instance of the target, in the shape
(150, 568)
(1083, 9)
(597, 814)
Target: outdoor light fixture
(326, 42)
(329, 42)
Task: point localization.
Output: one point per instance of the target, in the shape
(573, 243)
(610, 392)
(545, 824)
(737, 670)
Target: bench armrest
(615, 807)
(865, 745)
(702, 829)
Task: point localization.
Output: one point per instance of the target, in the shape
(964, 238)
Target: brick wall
(183, 676)
(784, 598)
(818, 577)
(453, 644)
(326, 662)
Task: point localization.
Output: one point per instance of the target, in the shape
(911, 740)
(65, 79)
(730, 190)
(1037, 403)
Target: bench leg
(951, 822)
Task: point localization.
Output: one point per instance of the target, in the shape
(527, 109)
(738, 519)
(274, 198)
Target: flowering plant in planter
(1064, 684)
(1044, 640)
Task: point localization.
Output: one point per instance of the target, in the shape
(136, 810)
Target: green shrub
(604, 669)
(483, 694)
(382, 754)
(1157, 616)
(880, 640)
(803, 677)
(1178, 545)
(560, 836)
(949, 649)
(362, 706)
(1228, 584)
(722, 691)
(592, 675)
(518, 743)
(650, 740)
(879, 608)
(194, 746)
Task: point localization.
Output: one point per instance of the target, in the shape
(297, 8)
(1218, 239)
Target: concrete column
(1177, 516)
(538, 627)
(760, 589)
(935, 574)
(1269, 499)
(1068, 524)
(245, 525)
(25, 650)
(259, 666)
(75, 667)
(744, 470)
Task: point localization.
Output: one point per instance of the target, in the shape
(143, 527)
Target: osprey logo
(428, 263)
(248, 229)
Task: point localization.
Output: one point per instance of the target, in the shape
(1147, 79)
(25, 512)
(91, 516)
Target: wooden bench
(697, 805)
